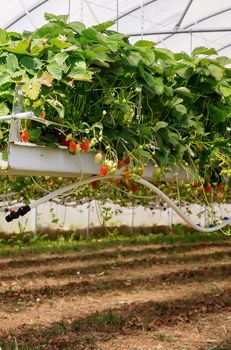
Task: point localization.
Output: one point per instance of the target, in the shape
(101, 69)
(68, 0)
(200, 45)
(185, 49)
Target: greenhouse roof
(179, 25)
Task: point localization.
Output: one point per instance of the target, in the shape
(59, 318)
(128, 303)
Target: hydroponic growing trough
(26, 158)
(31, 159)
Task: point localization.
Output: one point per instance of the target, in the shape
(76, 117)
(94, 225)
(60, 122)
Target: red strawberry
(127, 174)
(127, 160)
(72, 146)
(24, 136)
(133, 188)
(85, 145)
(94, 184)
(120, 164)
(104, 170)
(117, 183)
(208, 188)
(196, 184)
(220, 187)
(64, 143)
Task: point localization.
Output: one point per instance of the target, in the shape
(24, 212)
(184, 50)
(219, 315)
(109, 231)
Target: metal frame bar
(224, 47)
(15, 20)
(183, 14)
(92, 12)
(134, 9)
(27, 13)
(202, 19)
(184, 31)
(117, 15)
(69, 10)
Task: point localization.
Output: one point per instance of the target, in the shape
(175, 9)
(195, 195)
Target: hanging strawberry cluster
(120, 99)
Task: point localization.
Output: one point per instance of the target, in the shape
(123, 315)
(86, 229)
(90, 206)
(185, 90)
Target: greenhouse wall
(52, 216)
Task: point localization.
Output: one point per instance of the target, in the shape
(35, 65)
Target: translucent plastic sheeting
(200, 22)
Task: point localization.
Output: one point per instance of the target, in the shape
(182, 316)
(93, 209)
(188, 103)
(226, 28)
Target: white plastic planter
(31, 159)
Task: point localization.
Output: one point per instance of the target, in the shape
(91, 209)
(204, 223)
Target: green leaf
(147, 55)
(133, 58)
(90, 34)
(182, 56)
(223, 60)
(162, 157)
(155, 83)
(201, 50)
(3, 37)
(164, 54)
(53, 18)
(31, 64)
(57, 106)
(144, 153)
(176, 101)
(4, 110)
(5, 155)
(103, 26)
(11, 63)
(181, 109)
(57, 65)
(225, 90)
(218, 115)
(59, 43)
(76, 26)
(160, 125)
(173, 138)
(51, 30)
(21, 47)
(144, 43)
(216, 71)
(34, 134)
(4, 77)
(145, 130)
(38, 46)
(101, 54)
(32, 89)
(80, 72)
(197, 125)
(182, 90)
(59, 58)
(55, 70)
(168, 91)
(185, 72)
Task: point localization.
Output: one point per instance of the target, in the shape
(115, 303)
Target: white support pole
(132, 219)
(87, 231)
(170, 218)
(205, 217)
(34, 217)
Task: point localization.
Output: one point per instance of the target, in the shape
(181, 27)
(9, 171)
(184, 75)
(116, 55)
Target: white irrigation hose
(179, 211)
(140, 181)
(70, 187)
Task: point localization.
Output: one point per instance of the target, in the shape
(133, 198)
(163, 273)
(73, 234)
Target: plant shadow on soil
(147, 316)
(87, 332)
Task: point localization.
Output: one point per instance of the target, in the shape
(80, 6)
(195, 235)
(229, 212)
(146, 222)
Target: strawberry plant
(135, 103)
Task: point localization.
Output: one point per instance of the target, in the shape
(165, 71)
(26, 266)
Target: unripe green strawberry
(98, 157)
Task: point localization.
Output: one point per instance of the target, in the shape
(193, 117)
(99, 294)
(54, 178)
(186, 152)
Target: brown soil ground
(127, 297)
